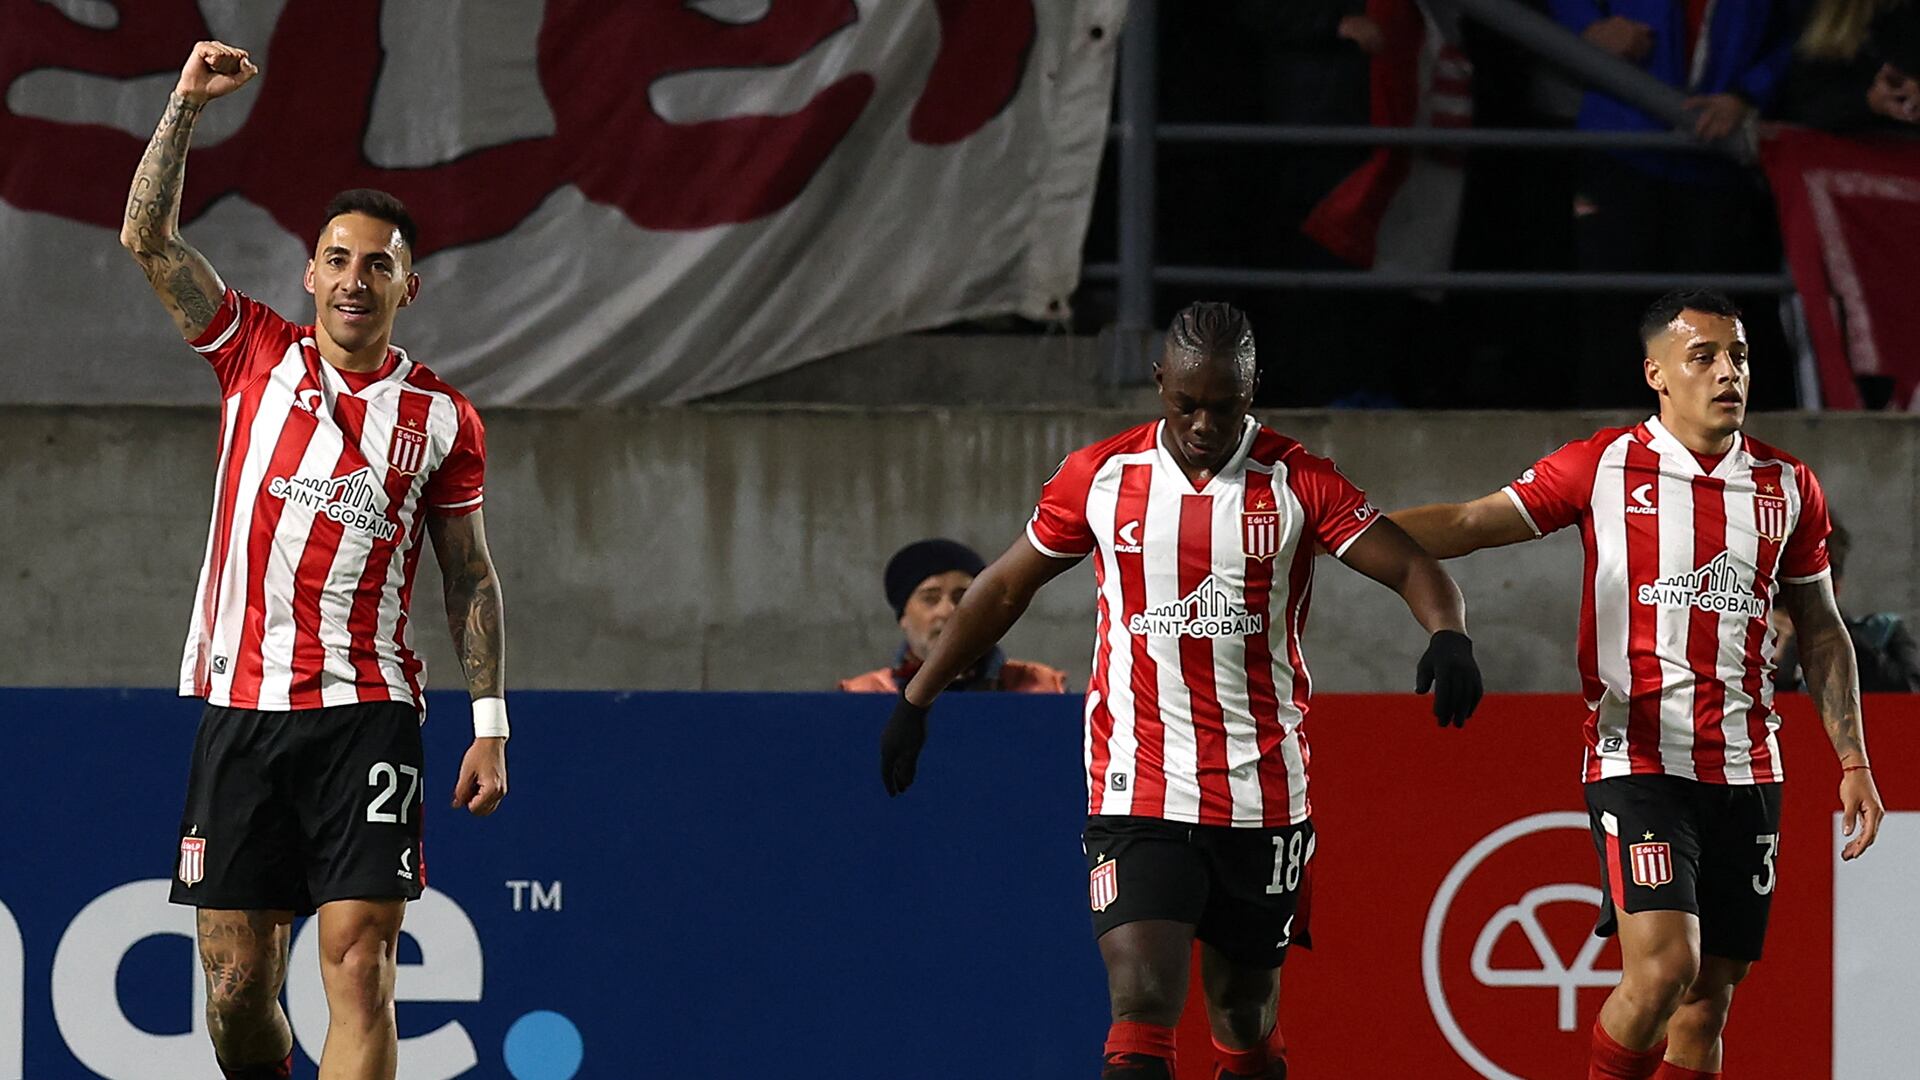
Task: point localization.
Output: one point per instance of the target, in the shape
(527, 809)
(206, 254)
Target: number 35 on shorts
(385, 778)
(1291, 853)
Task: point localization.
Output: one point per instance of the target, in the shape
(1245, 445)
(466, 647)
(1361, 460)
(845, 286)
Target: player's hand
(900, 743)
(1449, 671)
(1860, 801)
(215, 69)
(1717, 115)
(483, 777)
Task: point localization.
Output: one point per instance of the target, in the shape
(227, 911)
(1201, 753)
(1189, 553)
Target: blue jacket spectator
(1744, 49)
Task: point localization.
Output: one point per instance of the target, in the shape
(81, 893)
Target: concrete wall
(739, 547)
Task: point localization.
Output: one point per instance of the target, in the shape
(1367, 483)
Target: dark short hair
(1215, 331)
(1668, 308)
(375, 204)
(1839, 546)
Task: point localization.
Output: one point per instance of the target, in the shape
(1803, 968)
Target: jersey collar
(1234, 465)
(337, 384)
(1663, 442)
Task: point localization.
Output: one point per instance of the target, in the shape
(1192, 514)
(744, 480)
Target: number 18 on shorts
(1244, 890)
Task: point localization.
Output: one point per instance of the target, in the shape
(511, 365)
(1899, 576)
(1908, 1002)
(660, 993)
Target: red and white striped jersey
(1199, 689)
(1684, 557)
(318, 501)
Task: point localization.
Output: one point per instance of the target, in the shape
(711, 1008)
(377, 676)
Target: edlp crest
(1770, 516)
(408, 450)
(1260, 533)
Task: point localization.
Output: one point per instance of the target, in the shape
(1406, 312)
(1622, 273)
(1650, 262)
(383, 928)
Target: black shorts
(1245, 891)
(291, 810)
(1667, 843)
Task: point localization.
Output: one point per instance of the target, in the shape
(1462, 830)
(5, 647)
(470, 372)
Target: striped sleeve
(1337, 510)
(1555, 492)
(1059, 524)
(1804, 559)
(244, 339)
(458, 486)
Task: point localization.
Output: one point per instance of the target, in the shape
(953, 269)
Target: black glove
(1449, 671)
(900, 743)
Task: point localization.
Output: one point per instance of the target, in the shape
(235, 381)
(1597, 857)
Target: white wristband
(490, 718)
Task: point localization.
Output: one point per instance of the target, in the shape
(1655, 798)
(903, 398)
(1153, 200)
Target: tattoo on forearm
(153, 205)
(181, 276)
(474, 616)
(1833, 680)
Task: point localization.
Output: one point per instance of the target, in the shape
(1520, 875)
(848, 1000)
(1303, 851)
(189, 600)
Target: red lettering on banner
(302, 140)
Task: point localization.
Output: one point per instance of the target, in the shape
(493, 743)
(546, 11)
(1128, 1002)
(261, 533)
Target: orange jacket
(1014, 676)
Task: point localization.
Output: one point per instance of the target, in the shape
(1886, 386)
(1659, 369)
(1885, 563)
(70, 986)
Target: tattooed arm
(1833, 680)
(474, 615)
(185, 282)
(473, 600)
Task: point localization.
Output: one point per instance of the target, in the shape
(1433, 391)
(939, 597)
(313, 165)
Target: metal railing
(1137, 133)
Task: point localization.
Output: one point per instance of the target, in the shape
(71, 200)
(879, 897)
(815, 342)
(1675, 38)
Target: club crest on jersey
(1209, 611)
(1718, 587)
(193, 860)
(1103, 885)
(1770, 516)
(1260, 533)
(407, 453)
(1652, 864)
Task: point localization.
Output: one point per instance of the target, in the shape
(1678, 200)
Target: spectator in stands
(924, 583)
(1647, 211)
(1855, 68)
(1889, 659)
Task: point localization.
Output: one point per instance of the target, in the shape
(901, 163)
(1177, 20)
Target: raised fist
(214, 70)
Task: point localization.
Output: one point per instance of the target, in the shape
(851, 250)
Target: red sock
(1670, 1071)
(1266, 1061)
(1138, 1052)
(277, 1070)
(1611, 1061)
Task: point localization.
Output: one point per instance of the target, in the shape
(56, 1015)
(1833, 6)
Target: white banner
(644, 201)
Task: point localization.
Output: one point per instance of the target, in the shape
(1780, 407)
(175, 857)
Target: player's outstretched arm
(1833, 679)
(474, 615)
(185, 282)
(1389, 556)
(1450, 530)
(992, 604)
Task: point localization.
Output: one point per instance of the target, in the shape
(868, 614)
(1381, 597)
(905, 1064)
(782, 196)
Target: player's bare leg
(1693, 1032)
(244, 956)
(359, 940)
(1659, 961)
(1147, 968)
(1243, 1009)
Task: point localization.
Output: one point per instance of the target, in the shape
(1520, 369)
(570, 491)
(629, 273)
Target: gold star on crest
(1646, 836)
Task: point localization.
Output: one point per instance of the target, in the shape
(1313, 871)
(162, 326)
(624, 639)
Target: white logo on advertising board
(1553, 972)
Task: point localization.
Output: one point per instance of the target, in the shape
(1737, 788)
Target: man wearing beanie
(924, 582)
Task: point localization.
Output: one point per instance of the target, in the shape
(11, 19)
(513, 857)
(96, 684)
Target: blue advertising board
(677, 886)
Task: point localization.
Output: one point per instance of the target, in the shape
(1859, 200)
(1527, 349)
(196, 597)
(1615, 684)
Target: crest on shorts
(408, 451)
(193, 860)
(1260, 533)
(1770, 516)
(1652, 864)
(1103, 884)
